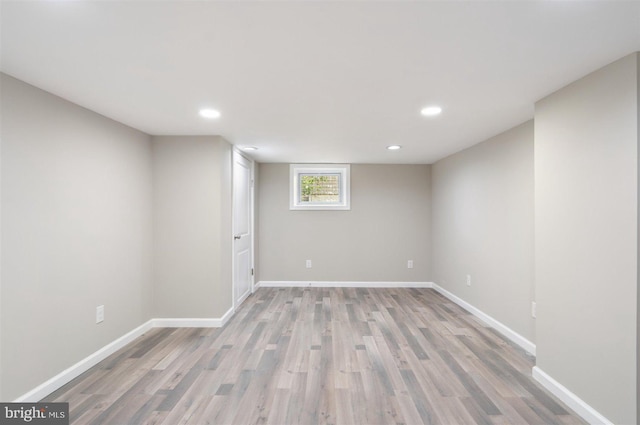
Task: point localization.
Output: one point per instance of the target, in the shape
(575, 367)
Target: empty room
(319, 212)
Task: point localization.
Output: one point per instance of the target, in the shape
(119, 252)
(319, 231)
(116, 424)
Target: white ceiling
(316, 81)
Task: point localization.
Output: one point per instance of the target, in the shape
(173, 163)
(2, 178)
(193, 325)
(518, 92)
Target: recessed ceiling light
(394, 147)
(431, 111)
(249, 148)
(209, 113)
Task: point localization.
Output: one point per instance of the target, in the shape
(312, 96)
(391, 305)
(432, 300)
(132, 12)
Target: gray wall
(76, 233)
(192, 227)
(90, 205)
(387, 225)
(482, 221)
(586, 212)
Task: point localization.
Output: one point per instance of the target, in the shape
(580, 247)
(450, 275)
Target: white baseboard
(193, 323)
(515, 337)
(578, 405)
(346, 284)
(239, 302)
(66, 376)
(225, 317)
(83, 365)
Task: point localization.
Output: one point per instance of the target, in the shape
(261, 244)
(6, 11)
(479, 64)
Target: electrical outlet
(100, 314)
(308, 264)
(533, 309)
(468, 280)
(409, 264)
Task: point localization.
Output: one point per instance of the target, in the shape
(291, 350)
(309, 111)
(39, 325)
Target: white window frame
(295, 170)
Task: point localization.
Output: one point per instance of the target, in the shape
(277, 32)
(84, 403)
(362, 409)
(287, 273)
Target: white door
(242, 237)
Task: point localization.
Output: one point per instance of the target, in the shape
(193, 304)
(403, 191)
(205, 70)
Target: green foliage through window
(320, 188)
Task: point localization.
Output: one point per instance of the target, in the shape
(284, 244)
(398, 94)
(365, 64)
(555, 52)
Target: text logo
(34, 413)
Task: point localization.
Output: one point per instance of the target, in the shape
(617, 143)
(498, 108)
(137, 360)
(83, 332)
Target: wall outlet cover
(100, 314)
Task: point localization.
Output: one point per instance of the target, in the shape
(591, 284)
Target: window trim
(295, 170)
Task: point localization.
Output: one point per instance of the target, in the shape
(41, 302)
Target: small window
(319, 187)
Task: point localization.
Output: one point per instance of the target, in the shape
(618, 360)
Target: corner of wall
(226, 225)
(256, 227)
(429, 219)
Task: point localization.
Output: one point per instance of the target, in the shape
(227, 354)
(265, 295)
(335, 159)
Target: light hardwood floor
(321, 355)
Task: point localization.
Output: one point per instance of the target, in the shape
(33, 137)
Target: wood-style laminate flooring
(320, 356)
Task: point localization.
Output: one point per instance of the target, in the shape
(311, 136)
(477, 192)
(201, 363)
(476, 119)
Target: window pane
(320, 188)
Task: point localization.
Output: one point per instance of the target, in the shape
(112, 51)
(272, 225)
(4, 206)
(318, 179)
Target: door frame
(252, 276)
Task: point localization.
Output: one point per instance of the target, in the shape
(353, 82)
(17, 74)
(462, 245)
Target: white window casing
(331, 189)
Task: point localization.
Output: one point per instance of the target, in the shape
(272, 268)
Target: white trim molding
(298, 170)
(67, 375)
(83, 365)
(339, 284)
(512, 335)
(578, 405)
(243, 298)
(193, 323)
